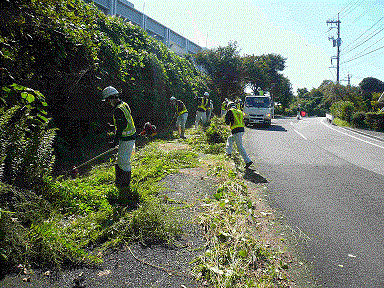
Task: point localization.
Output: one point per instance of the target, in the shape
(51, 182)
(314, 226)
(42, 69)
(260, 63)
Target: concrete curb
(365, 134)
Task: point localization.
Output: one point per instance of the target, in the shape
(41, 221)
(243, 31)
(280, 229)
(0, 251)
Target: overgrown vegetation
(70, 51)
(58, 226)
(355, 106)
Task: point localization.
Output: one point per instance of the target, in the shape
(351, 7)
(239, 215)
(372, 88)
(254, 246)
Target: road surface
(328, 183)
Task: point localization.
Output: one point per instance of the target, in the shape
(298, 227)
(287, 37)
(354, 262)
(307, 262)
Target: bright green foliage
(212, 139)
(216, 132)
(26, 151)
(343, 110)
(70, 51)
(263, 71)
(58, 226)
(224, 66)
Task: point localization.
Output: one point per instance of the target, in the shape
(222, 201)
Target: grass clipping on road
(239, 249)
(58, 224)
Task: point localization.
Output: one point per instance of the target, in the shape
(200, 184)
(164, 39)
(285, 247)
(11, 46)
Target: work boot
(126, 196)
(118, 176)
(248, 165)
(182, 136)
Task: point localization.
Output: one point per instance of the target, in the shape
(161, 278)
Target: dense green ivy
(70, 51)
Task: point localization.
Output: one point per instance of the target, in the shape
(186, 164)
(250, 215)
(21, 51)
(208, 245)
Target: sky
(297, 30)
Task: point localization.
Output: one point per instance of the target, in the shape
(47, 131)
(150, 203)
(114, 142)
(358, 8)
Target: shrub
(358, 120)
(375, 121)
(216, 131)
(26, 150)
(343, 110)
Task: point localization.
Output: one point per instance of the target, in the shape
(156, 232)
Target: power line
(352, 8)
(345, 7)
(364, 40)
(365, 32)
(363, 55)
(358, 18)
(371, 45)
(350, 2)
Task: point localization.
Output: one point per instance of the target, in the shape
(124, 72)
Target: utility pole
(336, 43)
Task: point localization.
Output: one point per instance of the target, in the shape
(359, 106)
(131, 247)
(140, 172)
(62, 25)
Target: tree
(282, 92)
(301, 92)
(262, 71)
(223, 65)
(371, 84)
(368, 86)
(255, 75)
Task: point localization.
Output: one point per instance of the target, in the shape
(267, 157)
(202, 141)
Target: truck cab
(258, 109)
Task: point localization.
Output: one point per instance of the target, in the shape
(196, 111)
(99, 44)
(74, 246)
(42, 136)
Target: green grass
(343, 123)
(59, 226)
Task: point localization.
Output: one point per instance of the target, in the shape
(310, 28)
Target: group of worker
(125, 133)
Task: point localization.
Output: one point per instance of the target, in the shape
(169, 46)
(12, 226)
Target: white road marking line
(382, 147)
(300, 134)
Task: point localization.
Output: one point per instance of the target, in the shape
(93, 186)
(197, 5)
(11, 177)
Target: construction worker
(181, 114)
(239, 104)
(201, 113)
(224, 107)
(124, 138)
(261, 91)
(235, 118)
(149, 130)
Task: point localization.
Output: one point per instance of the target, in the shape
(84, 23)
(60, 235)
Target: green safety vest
(183, 110)
(130, 129)
(238, 118)
(204, 105)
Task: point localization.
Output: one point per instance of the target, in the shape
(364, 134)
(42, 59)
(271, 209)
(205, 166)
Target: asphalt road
(328, 183)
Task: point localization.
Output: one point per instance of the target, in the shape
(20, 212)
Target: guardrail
(329, 117)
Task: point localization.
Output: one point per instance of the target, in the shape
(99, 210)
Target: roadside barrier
(329, 117)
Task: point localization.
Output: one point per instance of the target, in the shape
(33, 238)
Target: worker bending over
(201, 113)
(235, 118)
(181, 114)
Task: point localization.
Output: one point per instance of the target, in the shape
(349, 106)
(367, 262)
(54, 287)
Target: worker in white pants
(182, 114)
(238, 138)
(125, 135)
(124, 153)
(201, 113)
(235, 118)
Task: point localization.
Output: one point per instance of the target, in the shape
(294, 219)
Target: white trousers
(181, 120)
(238, 138)
(124, 153)
(200, 116)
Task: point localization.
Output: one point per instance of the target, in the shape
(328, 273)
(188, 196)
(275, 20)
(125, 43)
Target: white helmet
(230, 105)
(206, 94)
(108, 92)
(172, 99)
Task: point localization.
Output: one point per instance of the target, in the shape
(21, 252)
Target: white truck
(258, 109)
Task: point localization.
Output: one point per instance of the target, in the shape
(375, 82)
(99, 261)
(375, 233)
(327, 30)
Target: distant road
(328, 182)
